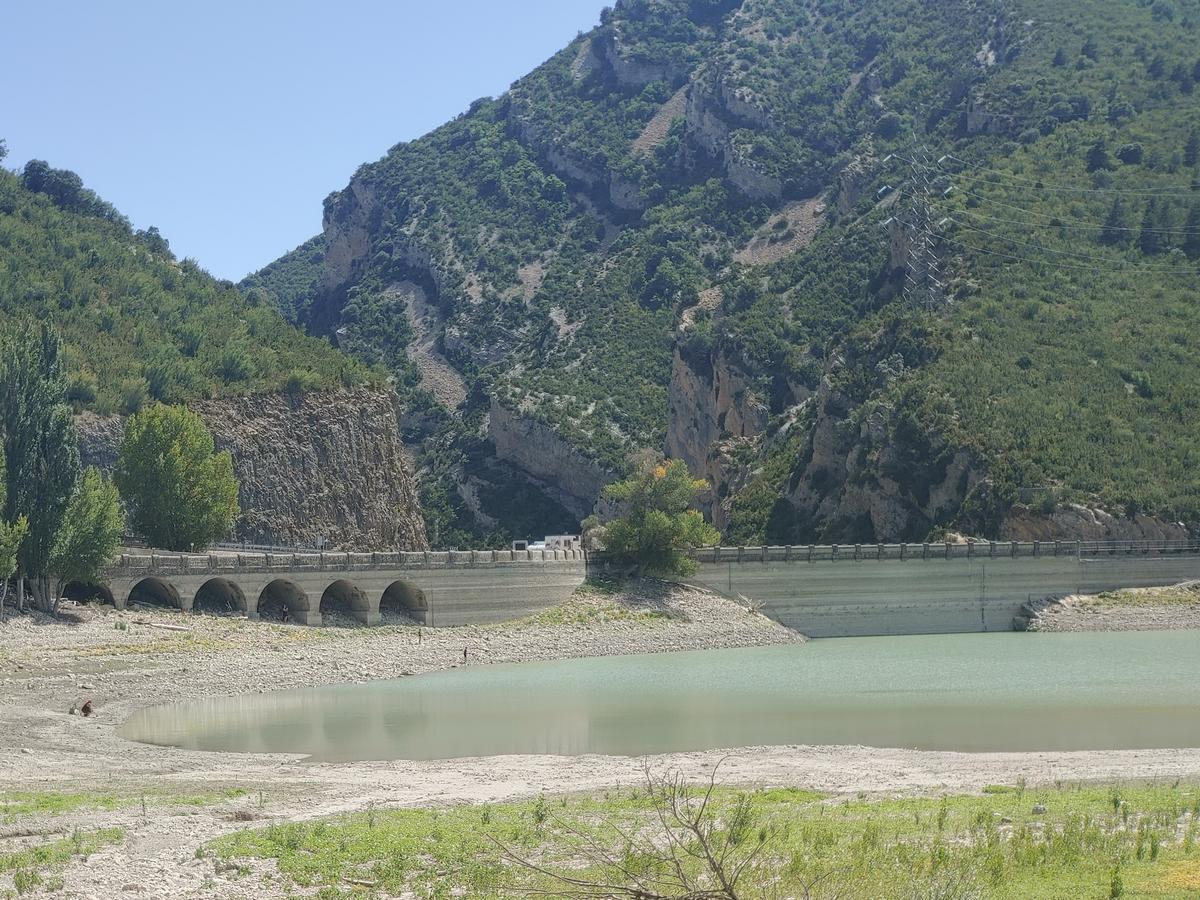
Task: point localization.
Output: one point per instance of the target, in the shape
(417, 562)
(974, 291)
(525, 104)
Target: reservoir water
(970, 692)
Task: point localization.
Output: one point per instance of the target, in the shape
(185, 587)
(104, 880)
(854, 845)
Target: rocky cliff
(325, 465)
(567, 475)
(713, 404)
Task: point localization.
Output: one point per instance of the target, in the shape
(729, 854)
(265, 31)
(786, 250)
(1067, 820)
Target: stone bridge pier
(454, 588)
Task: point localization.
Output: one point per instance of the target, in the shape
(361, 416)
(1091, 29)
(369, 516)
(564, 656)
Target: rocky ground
(169, 802)
(1138, 609)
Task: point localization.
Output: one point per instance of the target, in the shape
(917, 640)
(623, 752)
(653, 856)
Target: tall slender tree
(90, 534)
(11, 536)
(1151, 239)
(39, 446)
(1115, 230)
(1191, 240)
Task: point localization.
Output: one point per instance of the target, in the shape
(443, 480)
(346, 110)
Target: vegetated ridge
(313, 432)
(875, 270)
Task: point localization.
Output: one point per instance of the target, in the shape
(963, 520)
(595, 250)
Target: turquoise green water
(972, 692)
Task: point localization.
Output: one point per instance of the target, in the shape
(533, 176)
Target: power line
(1065, 253)
(1080, 224)
(1041, 186)
(1042, 262)
(985, 199)
(1093, 226)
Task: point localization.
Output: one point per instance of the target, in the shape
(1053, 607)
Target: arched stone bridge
(449, 588)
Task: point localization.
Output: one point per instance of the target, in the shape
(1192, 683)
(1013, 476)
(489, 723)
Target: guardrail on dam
(823, 591)
(838, 591)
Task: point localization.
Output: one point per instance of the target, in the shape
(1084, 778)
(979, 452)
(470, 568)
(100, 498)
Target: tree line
(60, 523)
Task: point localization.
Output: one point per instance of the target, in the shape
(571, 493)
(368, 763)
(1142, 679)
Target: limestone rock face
(569, 476)
(709, 407)
(708, 122)
(349, 222)
(323, 465)
(1073, 522)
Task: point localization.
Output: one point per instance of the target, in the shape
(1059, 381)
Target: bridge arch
(405, 598)
(155, 592)
(221, 597)
(344, 597)
(88, 592)
(284, 600)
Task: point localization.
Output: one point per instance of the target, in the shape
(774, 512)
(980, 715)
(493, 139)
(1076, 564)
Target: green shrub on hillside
(137, 323)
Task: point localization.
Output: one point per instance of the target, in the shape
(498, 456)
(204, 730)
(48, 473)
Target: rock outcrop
(1073, 522)
(708, 403)
(326, 465)
(709, 121)
(566, 474)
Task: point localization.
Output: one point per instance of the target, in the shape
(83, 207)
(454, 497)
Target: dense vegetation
(658, 523)
(57, 523)
(1010, 843)
(181, 494)
(138, 324)
(575, 231)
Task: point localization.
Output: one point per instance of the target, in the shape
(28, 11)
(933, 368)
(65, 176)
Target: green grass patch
(31, 867)
(1031, 844)
(15, 805)
(589, 607)
(1149, 597)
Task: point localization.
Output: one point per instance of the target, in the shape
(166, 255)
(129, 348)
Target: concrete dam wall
(820, 591)
(929, 589)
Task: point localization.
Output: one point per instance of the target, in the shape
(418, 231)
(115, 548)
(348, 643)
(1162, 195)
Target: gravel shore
(126, 661)
(1137, 609)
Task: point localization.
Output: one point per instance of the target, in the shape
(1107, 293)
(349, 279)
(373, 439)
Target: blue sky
(227, 122)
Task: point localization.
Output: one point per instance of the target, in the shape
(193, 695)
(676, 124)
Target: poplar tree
(39, 447)
(91, 533)
(11, 536)
(181, 494)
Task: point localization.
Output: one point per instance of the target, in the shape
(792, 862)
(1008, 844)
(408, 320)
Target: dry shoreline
(46, 667)
(1136, 609)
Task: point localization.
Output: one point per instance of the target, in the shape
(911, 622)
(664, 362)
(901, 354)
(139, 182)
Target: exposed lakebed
(970, 692)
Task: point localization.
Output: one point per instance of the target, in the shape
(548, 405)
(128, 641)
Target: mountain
(314, 433)
(876, 271)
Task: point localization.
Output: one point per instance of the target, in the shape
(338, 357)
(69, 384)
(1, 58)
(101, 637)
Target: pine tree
(1150, 240)
(1116, 228)
(1097, 156)
(1191, 151)
(39, 447)
(1191, 241)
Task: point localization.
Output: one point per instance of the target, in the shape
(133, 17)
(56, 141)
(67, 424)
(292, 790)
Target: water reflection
(962, 692)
